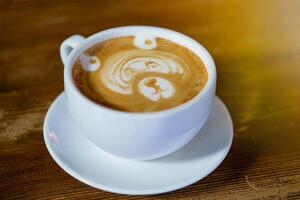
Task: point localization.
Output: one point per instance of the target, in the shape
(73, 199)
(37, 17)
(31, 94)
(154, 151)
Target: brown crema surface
(187, 82)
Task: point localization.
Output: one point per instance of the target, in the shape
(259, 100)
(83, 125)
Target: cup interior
(168, 34)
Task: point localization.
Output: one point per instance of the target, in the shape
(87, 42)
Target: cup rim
(205, 57)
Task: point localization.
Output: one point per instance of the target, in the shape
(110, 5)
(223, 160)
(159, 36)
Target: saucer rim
(160, 190)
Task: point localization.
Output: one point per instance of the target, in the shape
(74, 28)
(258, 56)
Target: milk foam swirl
(126, 65)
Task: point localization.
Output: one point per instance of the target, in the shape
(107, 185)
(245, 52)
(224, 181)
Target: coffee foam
(124, 66)
(155, 88)
(139, 73)
(89, 63)
(145, 41)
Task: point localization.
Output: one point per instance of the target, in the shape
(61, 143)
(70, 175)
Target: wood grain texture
(256, 46)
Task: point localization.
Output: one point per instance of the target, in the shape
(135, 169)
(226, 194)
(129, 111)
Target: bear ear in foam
(89, 63)
(145, 41)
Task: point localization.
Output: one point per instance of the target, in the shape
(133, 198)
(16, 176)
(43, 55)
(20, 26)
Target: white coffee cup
(140, 136)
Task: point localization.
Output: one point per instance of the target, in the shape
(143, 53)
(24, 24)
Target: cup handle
(68, 45)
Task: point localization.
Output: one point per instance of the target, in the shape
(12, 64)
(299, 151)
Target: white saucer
(92, 166)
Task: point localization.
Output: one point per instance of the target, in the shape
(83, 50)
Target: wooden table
(256, 46)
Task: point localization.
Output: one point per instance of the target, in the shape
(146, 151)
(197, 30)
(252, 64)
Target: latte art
(155, 88)
(139, 73)
(143, 41)
(125, 66)
(89, 63)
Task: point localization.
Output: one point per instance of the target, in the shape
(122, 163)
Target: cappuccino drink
(139, 74)
(138, 92)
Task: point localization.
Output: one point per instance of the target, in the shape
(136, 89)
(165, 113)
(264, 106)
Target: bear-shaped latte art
(126, 65)
(139, 73)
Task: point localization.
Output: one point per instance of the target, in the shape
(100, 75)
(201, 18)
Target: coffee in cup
(139, 73)
(147, 69)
